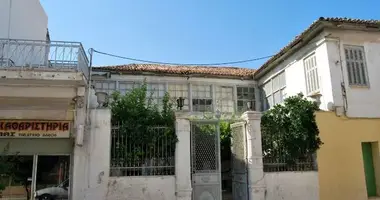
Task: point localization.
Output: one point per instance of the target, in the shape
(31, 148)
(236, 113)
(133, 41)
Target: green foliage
(225, 135)
(15, 167)
(138, 115)
(225, 140)
(289, 131)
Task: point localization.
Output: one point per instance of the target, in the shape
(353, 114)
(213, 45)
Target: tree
(289, 130)
(15, 167)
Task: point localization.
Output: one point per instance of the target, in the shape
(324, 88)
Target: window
(105, 86)
(125, 87)
(311, 74)
(245, 95)
(179, 90)
(356, 65)
(274, 91)
(155, 92)
(224, 99)
(202, 98)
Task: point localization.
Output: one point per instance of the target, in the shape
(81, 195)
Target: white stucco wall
(295, 72)
(328, 48)
(141, 188)
(362, 101)
(292, 186)
(91, 161)
(28, 20)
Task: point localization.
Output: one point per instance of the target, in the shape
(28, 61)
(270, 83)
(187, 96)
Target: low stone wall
(292, 185)
(141, 188)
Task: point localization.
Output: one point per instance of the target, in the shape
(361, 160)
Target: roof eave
(311, 34)
(198, 75)
(302, 41)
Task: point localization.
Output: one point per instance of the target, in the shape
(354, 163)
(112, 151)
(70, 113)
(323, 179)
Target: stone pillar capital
(251, 115)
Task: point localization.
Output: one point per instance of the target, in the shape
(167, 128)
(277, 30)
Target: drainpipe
(9, 19)
(343, 84)
(91, 52)
(9, 30)
(89, 86)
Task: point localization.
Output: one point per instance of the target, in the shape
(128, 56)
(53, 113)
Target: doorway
(37, 177)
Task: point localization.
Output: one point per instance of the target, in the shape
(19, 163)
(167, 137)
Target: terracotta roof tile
(334, 20)
(180, 70)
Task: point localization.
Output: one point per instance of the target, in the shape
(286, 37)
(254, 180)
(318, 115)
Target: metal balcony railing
(31, 54)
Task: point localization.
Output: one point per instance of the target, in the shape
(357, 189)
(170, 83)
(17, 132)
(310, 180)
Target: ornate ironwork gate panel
(239, 161)
(205, 159)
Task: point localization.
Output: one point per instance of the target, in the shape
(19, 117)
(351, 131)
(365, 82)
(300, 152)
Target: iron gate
(239, 161)
(205, 159)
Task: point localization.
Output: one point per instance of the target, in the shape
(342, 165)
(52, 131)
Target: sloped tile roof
(334, 20)
(180, 70)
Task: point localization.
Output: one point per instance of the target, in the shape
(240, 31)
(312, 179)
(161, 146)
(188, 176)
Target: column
(99, 154)
(182, 158)
(256, 181)
(79, 156)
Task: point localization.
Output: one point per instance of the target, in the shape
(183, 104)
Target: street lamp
(180, 103)
(218, 114)
(250, 105)
(101, 98)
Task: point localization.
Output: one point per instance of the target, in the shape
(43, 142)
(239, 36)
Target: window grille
(244, 95)
(224, 99)
(105, 86)
(133, 155)
(356, 65)
(126, 87)
(274, 91)
(156, 92)
(311, 74)
(202, 98)
(179, 90)
(276, 158)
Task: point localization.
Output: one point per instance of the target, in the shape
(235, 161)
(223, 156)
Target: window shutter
(356, 65)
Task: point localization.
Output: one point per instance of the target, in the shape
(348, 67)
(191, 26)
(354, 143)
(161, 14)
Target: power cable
(170, 63)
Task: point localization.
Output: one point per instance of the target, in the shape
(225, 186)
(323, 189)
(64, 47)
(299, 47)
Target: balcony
(41, 61)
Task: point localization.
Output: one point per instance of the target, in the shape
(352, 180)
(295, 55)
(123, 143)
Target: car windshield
(64, 184)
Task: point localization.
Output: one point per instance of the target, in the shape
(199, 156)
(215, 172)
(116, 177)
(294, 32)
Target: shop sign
(34, 129)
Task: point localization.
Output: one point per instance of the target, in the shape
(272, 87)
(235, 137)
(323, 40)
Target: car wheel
(46, 197)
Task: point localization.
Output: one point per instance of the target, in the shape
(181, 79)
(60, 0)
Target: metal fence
(147, 153)
(43, 54)
(276, 156)
(279, 164)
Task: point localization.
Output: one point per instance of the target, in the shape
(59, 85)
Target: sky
(196, 31)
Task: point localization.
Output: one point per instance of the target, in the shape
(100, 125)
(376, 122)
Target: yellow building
(349, 159)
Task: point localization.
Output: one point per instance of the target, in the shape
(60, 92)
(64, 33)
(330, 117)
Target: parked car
(53, 193)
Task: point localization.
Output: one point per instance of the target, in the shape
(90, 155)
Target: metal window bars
(146, 153)
(276, 157)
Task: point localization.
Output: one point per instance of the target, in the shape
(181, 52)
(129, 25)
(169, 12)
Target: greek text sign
(34, 129)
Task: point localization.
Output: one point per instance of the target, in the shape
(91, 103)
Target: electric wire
(183, 64)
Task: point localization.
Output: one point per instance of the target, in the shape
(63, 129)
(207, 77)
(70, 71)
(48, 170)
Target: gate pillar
(182, 157)
(256, 182)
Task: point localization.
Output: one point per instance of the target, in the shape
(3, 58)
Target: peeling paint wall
(141, 188)
(292, 186)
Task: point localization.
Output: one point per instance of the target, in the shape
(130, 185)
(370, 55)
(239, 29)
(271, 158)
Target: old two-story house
(335, 62)
(205, 91)
(43, 107)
